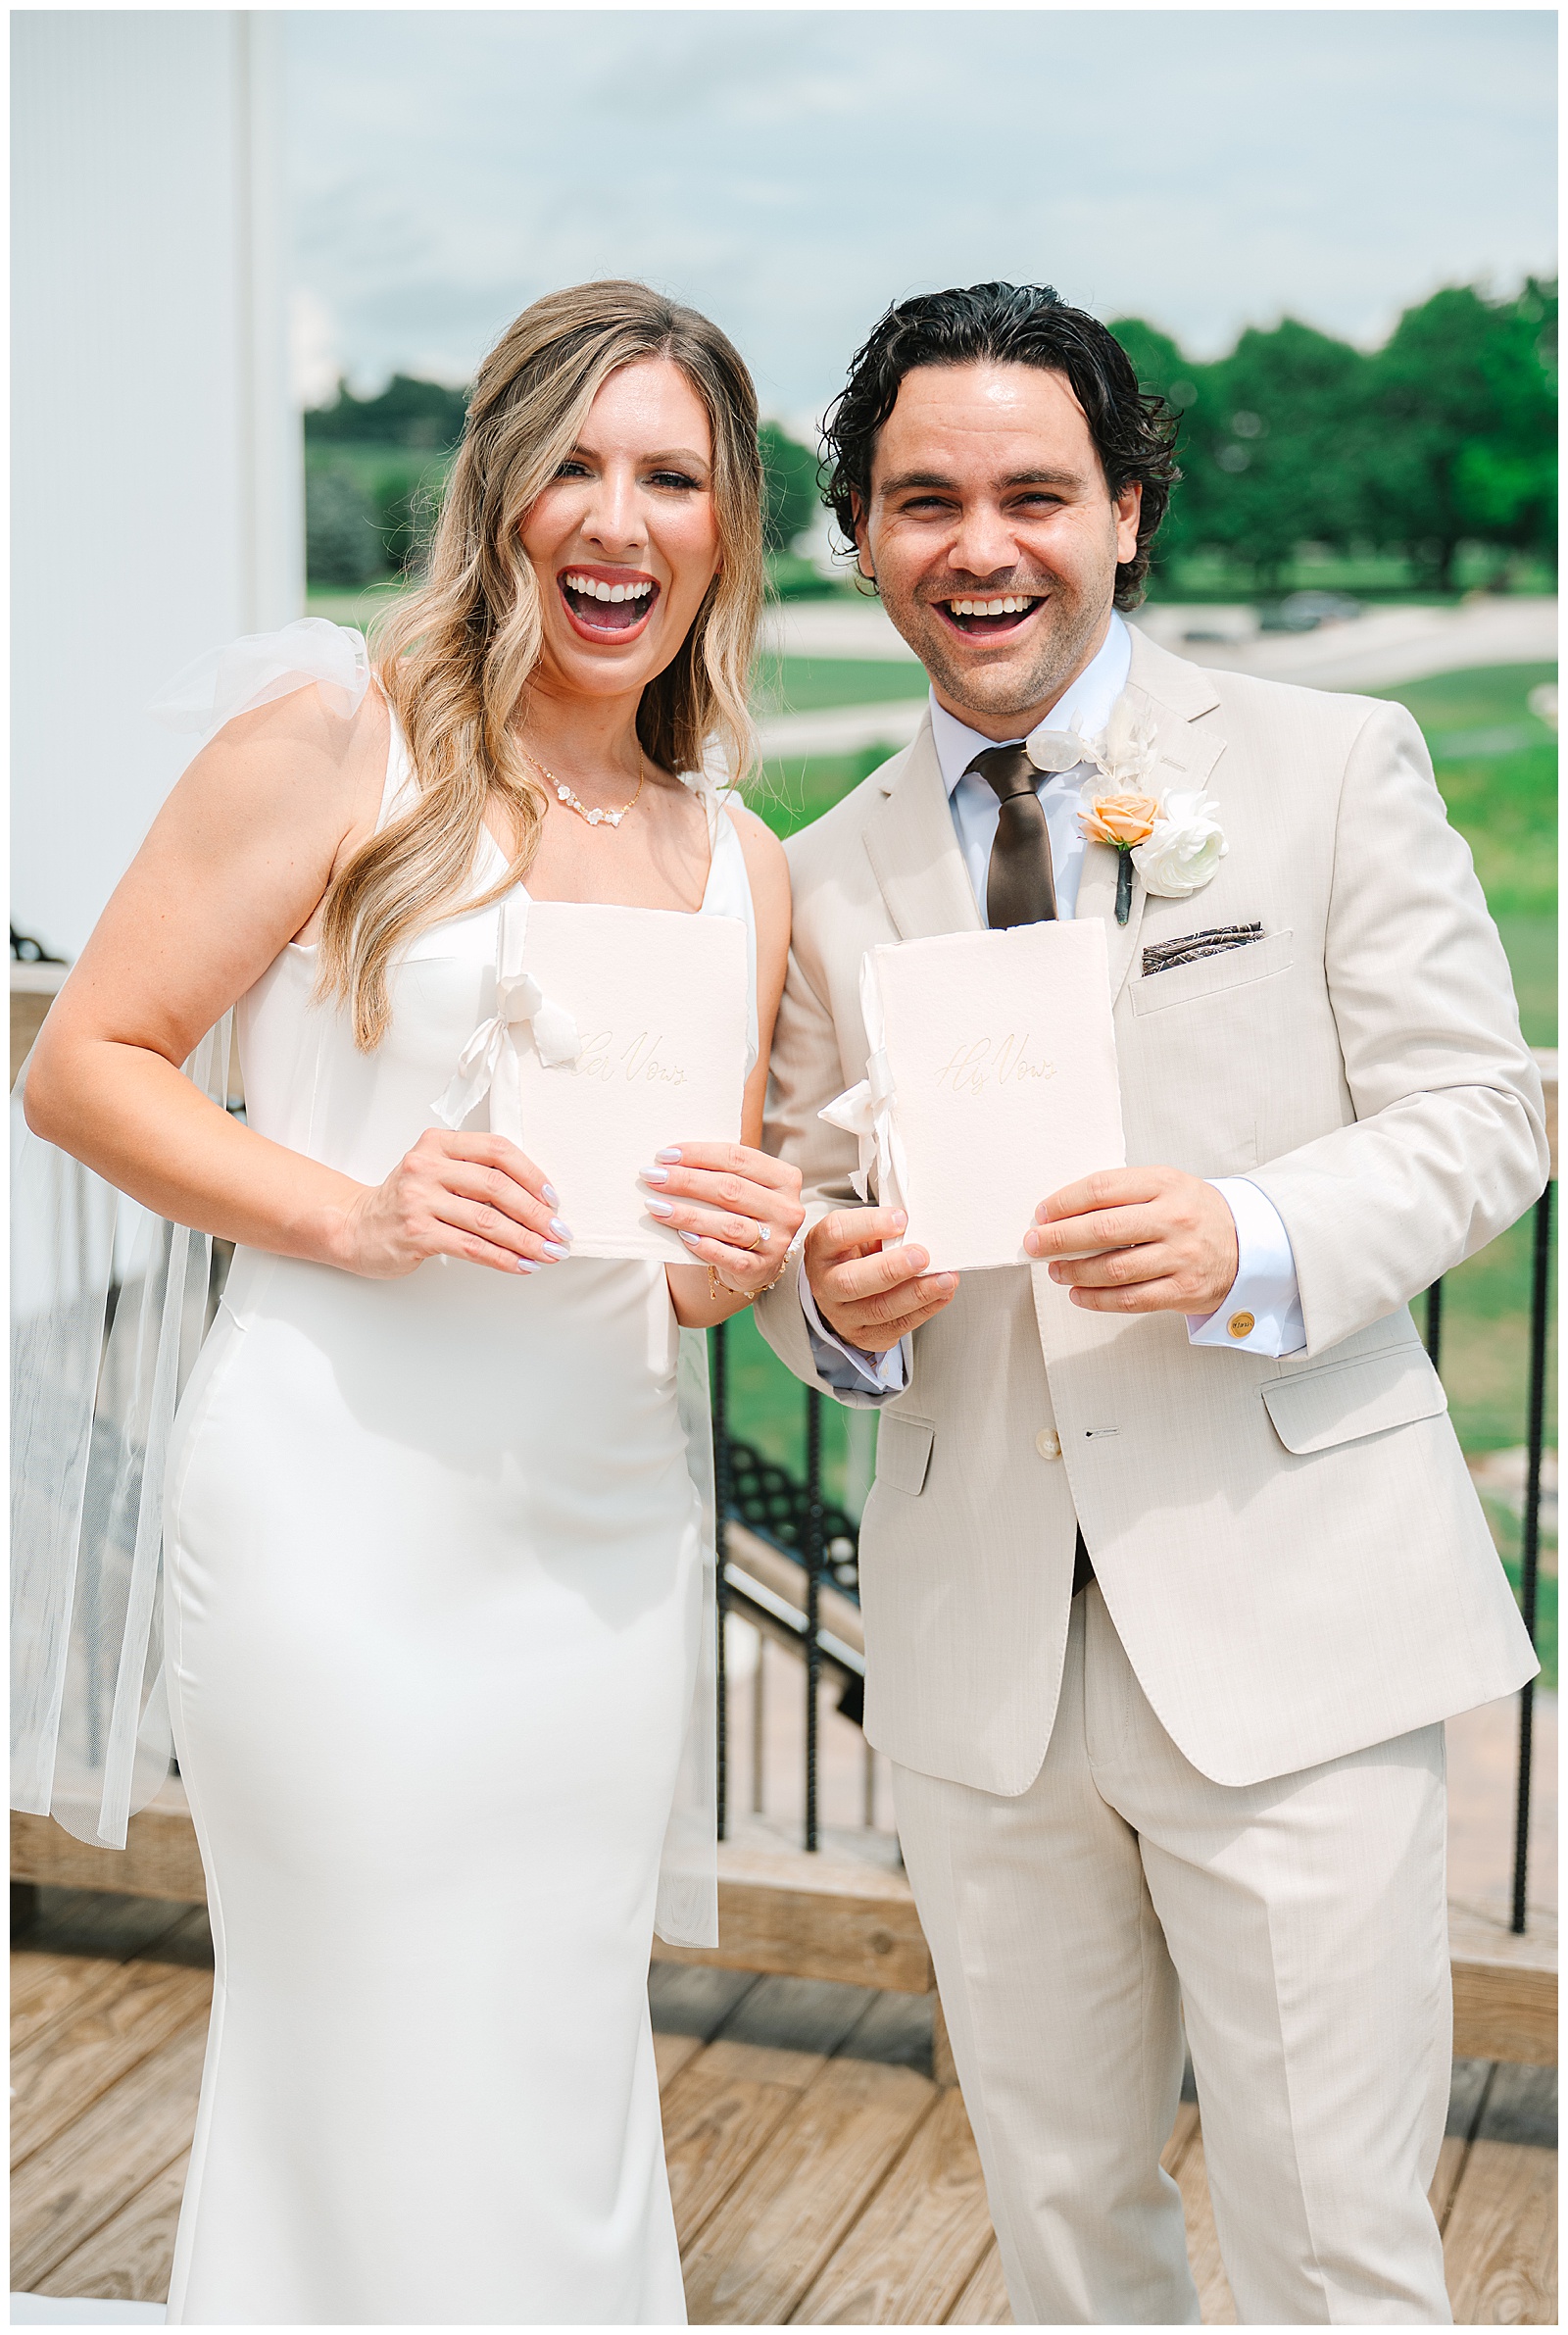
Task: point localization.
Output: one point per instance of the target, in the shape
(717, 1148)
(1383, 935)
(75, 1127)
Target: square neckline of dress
(397, 773)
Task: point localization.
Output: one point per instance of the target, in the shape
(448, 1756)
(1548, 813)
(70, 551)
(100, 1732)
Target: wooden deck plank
(1214, 2297)
(68, 2189)
(159, 1858)
(984, 2301)
(64, 2070)
(912, 2253)
(692, 2001)
(670, 2055)
(1181, 2137)
(75, 1946)
(800, 2014)
(1499, 2250)
(719, 2112)
(1504, 1988)
(759, 2252)
(129, 2258)
(1446, 2180)
(788, 1914)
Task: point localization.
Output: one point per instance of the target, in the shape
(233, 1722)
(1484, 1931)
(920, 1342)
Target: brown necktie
(1021, 889)
(1020, 886)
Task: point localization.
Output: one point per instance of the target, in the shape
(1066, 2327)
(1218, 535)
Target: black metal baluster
(720, 1374)
(812, 1553)
(1435, 1325)
(1531, 1541)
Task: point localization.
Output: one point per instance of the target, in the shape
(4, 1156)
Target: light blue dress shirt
(1265, 1284)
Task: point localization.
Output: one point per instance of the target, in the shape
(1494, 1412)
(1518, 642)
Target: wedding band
(761, 1231)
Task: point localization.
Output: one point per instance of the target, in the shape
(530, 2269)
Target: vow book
(998, 1084)
(658, 1001)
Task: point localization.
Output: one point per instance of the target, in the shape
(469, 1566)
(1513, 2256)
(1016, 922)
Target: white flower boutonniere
(1175, 844)
(1184, 848)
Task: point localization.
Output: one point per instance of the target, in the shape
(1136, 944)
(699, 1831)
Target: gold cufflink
(1241, 1325)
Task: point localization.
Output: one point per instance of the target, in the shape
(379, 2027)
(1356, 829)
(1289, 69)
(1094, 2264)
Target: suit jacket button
(1241, 1325)
(1048, 1443)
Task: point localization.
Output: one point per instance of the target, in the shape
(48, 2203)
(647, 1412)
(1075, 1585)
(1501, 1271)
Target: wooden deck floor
(819, 2176)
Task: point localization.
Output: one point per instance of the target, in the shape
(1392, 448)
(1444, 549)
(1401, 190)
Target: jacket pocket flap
(1313, 1409)
(904, 1451)
(1228, 969)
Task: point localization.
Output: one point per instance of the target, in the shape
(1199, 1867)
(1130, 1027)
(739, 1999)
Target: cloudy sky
(791, 172)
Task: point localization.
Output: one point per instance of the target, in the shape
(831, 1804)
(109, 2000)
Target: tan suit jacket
(1291, 1551)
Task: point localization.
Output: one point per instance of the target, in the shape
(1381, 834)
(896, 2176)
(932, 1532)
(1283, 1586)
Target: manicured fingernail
(666, 1156)
(900, 1219)
(919, 1261)
(691, 1239)
(550, 1196)
(658, 1208)
(561, 1232)
(654, 1175)
(553, 1251)
(526, 1265)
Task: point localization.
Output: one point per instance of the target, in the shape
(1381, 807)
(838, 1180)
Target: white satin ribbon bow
(488, 1064)
(867, 1110)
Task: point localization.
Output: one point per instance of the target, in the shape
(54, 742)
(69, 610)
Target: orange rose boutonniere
(1175, 842)
(1122, 821)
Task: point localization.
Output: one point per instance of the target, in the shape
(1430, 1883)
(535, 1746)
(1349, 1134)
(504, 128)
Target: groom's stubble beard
(1065, 636)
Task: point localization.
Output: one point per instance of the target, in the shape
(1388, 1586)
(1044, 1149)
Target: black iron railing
(792, 1518)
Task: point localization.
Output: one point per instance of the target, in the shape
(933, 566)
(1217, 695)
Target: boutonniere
(1175, 843)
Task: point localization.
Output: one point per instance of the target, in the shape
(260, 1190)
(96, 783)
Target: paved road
(1377, 651)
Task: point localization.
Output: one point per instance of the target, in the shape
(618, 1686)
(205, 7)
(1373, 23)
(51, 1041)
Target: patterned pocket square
(1165, 955)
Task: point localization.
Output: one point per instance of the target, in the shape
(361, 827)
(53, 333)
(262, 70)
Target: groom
(1172, 1569)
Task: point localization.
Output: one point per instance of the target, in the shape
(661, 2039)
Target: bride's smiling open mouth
(607, 603)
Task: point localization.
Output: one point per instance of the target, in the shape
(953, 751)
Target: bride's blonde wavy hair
(455, 657)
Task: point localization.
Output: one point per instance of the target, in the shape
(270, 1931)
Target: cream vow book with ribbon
(617, 1032)
(990, 1084)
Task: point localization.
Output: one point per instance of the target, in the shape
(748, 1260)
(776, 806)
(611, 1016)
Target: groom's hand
(868, 1295)
(1168, 1241)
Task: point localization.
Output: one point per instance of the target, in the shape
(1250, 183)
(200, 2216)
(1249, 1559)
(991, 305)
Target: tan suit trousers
(1299, 1925)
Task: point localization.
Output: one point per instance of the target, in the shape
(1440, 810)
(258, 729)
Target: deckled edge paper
(991, 1082)
(658, 999)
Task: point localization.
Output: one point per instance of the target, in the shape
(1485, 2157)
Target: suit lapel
(1180, 698)
(914, 851)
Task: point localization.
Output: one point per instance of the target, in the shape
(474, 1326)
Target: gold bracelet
(715, 1284)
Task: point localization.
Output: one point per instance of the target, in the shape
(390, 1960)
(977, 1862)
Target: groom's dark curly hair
(1006, 324)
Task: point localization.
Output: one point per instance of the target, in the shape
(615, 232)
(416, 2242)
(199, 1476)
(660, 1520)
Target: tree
(406, 413)
(790, 499)
(343, 543)
(1447, 435)
(1466, 398)
(1277, 443)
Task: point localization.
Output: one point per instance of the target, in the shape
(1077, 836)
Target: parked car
(1305, 612)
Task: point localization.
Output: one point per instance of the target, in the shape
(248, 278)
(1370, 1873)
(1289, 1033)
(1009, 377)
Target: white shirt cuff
(846, 1369)
(1264, 1288)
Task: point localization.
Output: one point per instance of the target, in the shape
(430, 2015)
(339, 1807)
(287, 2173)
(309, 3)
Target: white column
(158, 504)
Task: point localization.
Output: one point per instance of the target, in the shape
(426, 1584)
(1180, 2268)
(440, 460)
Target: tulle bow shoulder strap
(263, 666)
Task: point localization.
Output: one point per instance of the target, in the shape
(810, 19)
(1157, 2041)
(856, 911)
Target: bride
(434, 1548)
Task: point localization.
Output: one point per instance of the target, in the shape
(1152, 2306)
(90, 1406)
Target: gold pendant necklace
(595, 818)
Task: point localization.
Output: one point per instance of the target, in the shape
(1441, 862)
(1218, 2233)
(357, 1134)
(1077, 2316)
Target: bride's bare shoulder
(295, 762)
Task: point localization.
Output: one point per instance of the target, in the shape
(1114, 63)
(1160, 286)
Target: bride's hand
(736, 1208)
(471, 1196)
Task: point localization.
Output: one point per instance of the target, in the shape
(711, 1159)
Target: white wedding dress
(434, 1621)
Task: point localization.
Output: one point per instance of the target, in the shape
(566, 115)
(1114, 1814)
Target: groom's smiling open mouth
(994, 613)
(607, 603)
(986, 616)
